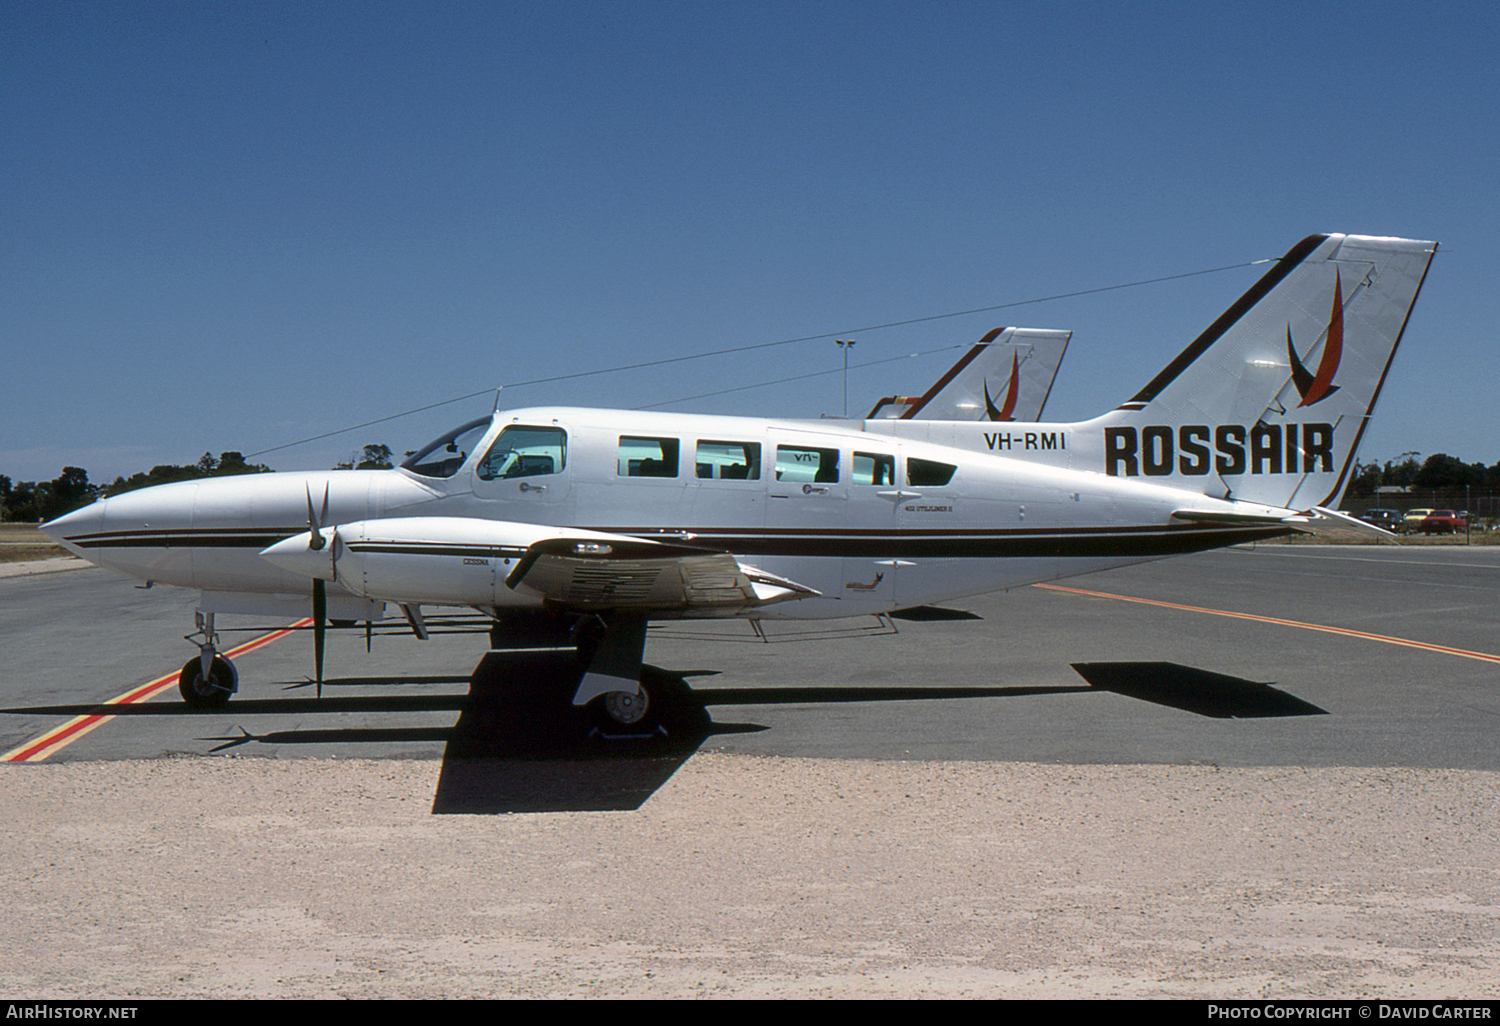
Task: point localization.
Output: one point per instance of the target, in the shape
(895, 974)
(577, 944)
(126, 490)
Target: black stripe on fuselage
(216, 538)
(437, 549)
(950, 543)
(959, 544)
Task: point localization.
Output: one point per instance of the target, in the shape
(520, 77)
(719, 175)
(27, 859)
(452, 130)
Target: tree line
(1438, 473)
(34, 501)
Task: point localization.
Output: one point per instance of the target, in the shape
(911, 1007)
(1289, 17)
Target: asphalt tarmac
(1262, 774)
(1278, 655)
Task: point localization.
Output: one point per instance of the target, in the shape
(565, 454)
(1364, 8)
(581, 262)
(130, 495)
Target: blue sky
(231, 226)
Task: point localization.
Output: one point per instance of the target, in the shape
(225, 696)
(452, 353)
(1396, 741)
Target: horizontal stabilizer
(1337, 525)
(1331, 524)
(1214, 516)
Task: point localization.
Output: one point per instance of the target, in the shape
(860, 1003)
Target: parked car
(1443, 521)
(1412, 522)
(1388, 519)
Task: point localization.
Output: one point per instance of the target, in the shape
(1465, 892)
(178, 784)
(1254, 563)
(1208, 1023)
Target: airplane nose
(77, 524)
(296, 554)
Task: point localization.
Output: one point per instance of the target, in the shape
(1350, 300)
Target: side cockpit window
(443, 457)
(523, 451)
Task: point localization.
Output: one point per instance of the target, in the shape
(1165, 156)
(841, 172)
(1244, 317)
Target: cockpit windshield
(443, 457)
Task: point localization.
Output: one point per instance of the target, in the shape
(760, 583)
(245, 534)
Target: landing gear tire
(622, 710)
(213, 692)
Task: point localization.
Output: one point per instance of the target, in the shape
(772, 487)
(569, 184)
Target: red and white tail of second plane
(1006, 376)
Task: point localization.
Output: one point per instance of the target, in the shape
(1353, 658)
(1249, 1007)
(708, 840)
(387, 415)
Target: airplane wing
(1005, 376)
(644, 575)
(464, 561)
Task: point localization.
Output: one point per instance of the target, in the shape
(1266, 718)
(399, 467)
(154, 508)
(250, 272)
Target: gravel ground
(752, 877)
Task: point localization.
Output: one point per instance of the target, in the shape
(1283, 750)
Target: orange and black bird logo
(1006, 412)
(1314, 388)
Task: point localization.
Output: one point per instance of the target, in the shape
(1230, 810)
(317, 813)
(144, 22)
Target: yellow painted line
(55, 740)
(1344, 631)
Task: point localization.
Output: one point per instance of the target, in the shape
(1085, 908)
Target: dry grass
(1475, 537)
(22, 542)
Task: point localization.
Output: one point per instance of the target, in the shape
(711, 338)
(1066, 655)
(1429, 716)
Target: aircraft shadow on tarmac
(1197, 691)
(519, 746)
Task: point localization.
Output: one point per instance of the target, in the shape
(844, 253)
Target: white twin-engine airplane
(602, 520)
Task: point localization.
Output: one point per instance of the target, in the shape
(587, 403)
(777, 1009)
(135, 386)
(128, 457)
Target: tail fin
(1007, 375)
(1269, 404)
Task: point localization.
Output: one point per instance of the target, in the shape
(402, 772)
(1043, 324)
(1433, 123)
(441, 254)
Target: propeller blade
(315, 540)
(320, 627)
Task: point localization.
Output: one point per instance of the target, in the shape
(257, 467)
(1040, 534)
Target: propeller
(315, 542)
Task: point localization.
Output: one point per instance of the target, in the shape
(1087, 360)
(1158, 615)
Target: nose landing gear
(208, 681)
(211, 691)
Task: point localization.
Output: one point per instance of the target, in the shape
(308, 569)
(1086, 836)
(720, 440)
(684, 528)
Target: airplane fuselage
(870, 522)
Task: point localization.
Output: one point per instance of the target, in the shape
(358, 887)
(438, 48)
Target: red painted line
(1343, 631)
(60, 737)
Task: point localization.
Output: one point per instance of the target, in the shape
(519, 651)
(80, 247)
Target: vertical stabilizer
(1269, 404)
(1005, 376)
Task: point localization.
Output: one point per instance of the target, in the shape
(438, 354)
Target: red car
(1443, 521)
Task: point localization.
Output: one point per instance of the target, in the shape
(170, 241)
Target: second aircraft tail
(1005, 376)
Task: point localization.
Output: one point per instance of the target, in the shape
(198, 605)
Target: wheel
(666, 710)
(622, 709)
(212, 693)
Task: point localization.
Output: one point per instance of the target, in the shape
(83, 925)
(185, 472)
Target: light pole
(845, 346)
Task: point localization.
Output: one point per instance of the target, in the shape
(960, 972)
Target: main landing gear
(207, 681)
(611, 688)
(609, 692)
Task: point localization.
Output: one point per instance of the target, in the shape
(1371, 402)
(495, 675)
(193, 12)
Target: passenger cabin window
(874, 468)
(801, 463)
(443, 457)
(928, 473)
(648, 457)
(523, 451)
(728, 461)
